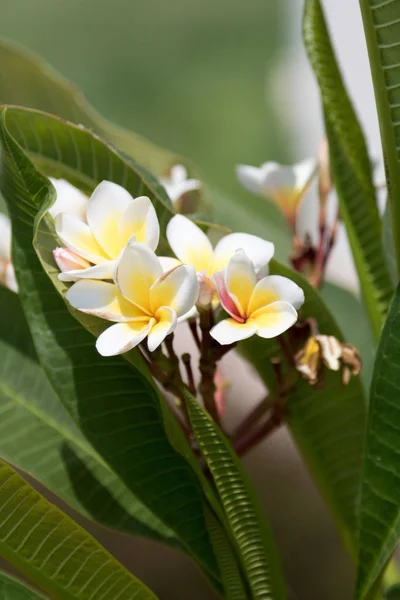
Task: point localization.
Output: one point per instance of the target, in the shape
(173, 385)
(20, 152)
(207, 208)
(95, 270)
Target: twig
(207, 364)
(186, 359)
(258, 434)
(252, 417)
(193, 328)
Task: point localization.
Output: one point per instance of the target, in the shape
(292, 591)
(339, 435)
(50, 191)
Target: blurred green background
(188, 74)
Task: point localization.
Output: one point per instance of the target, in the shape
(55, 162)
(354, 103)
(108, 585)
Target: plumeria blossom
(284, 185)
(113, 218)
(266, 307)
(178, 184)
(7, 274)
(68, 200)
(144, 302)
(191, 245)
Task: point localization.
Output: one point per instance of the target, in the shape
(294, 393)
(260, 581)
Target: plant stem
(186, 359)
(258, 434)
(252, 417)
(193, 328)
(208, 364)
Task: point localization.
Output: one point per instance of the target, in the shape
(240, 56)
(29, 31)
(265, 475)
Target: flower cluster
(109, 252)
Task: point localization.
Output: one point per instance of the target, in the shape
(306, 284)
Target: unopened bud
(325, 180)
(206, 293)
(69, 261)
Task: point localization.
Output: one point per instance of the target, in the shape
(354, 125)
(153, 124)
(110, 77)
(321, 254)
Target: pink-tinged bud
(69, 261)
(325, 180)
(206, 292)
(221, 386)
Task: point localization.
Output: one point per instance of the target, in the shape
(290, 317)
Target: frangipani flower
(267, 307)
(113, 218)
(69, 199)
(193, 247)
(144, 302)
(177, 184)
(7, 274)
(284, 185)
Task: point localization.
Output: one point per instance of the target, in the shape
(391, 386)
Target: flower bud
(206, 293)
(325, 180)
(69, 261)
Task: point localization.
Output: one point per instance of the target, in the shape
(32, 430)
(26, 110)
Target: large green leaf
(382, 32)
(388, 243)
(54, 552)
(380, 491)
(327, 424)
(12, 589)
(115, 404)
(38, 436)
(249, 526)
(351, 169)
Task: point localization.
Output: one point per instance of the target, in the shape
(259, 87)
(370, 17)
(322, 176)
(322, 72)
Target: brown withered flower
(322, 352)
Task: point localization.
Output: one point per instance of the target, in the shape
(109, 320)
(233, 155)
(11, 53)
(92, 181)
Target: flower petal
(69, 261)
(103, 271)
(5, 237)
(251, 178)
(240, 278)
(69, 199)
(304, 172)
(258, 250)
(229, 331)
(274, 319)
(274, 288)
(136, 270)
(76, 235)
(106, 206)
(168, 263)
(177, 289)
(103, 300)
(122, 337)
(140, 219)
(166, 323)
(189, 243)
(224, 297)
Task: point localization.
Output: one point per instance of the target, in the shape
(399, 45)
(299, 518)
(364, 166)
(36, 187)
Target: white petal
(274, 288)
(5, 237)
(274, 319)
(168, 263)
(166, 323)
(240, 279)
(258, 250)
(278, 179)
(10, 280)
(69, 199)
(230, 331)
(103, 271)
(177, 289)
(76, 235)
(103, 300)
(251, 178)
(178, 173)
(191, 314)
(303, 172)
(69, 261)
(140, 219)
(122, 337)
(189, 243)
(106, 207)
(136, 270)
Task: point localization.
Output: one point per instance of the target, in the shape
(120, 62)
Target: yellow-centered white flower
(191, 245)
(113, 218)
(69, 199)
(144, 302)
(7, 274)
(284, 185)
(178, 184)
(266, 307)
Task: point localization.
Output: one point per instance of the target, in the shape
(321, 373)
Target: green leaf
(12, 589)
(38, 436)
(327, 424)
(51, 550)
(351, 169)
(393, 593)
(379, 528)
(116, 405)
(382, 32)
(388, 243)
(249, 526)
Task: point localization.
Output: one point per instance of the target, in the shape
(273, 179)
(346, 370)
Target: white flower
(284, 185)
(113, 218)
(177, 184)
(193, 247)
(69, 261)
(69, 199)
(144, 302)
(7, 274)
(266, 308)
